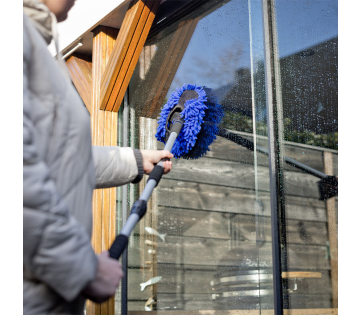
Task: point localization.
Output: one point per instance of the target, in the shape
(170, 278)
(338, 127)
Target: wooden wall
(206, 208)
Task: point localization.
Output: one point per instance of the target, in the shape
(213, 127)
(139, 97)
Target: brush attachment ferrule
(139, 207)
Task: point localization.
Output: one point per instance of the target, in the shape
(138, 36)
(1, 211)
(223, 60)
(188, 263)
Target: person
(60, 170)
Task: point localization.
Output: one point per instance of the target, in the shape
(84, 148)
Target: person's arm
(116, 166)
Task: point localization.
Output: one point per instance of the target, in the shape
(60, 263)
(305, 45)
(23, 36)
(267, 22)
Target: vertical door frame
(275, 134)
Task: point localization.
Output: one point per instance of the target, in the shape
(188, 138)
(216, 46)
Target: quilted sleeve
(115, 166)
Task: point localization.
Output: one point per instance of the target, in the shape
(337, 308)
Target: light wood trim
(136, 53)
(332, 231)
(119, 52)
(104, 130)
(81, 75)
(131, 39)
(300, 274)
(318, 311)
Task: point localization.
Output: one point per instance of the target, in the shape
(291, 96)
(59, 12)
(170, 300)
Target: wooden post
(104, 132)
(332, 230)
(80, 71)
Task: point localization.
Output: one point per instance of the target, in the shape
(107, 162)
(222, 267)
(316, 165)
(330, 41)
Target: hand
(151, 157)
(107, 278)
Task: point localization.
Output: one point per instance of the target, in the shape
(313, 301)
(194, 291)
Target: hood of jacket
(43, 19)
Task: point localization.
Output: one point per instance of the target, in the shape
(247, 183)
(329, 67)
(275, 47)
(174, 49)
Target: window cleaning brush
(188, 124)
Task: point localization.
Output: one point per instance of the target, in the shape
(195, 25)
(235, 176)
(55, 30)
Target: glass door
(302, 49)
(205, 242)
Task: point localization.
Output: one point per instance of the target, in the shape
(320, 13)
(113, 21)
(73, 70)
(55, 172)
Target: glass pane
(207, 230)
(308, 48)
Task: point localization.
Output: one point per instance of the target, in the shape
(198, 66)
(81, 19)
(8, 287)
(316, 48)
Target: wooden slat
(119, 52)
(128, 46)
(212, 252)
(136, 54)
(104, 130)
(333, 231)
(185, 222)
(80, 74)
(224, 149)
(201, 196)
(300, 274)
(198, 281)
(227, 173)
(112, 101)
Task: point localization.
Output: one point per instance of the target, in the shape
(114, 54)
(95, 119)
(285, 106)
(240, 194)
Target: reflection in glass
(308, 46)
(210, 240)
(205, 242)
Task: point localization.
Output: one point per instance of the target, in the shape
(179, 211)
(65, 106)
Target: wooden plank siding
(80, 71)
(104, 132)
(206, 209)
(131, 39)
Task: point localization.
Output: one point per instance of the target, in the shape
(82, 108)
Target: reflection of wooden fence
(206, 208)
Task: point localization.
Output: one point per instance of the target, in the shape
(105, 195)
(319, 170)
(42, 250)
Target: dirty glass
(205, 242)
(307, 56)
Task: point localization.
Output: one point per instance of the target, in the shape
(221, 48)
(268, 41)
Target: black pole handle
(156, 173)
(118, 246)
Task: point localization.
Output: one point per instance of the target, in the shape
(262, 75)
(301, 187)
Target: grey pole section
(151, 184)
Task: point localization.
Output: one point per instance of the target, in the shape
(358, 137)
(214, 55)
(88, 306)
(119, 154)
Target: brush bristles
(201, 118)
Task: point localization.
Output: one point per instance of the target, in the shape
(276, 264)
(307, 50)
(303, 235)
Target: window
(209, 229)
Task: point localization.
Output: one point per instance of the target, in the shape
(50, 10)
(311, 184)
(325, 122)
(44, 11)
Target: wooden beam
(332, 230)
(129, 43)
(181, 41)
(163, 69)
(104, 132)
(80, 71)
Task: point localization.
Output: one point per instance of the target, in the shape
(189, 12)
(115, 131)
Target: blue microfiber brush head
(201, 114)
